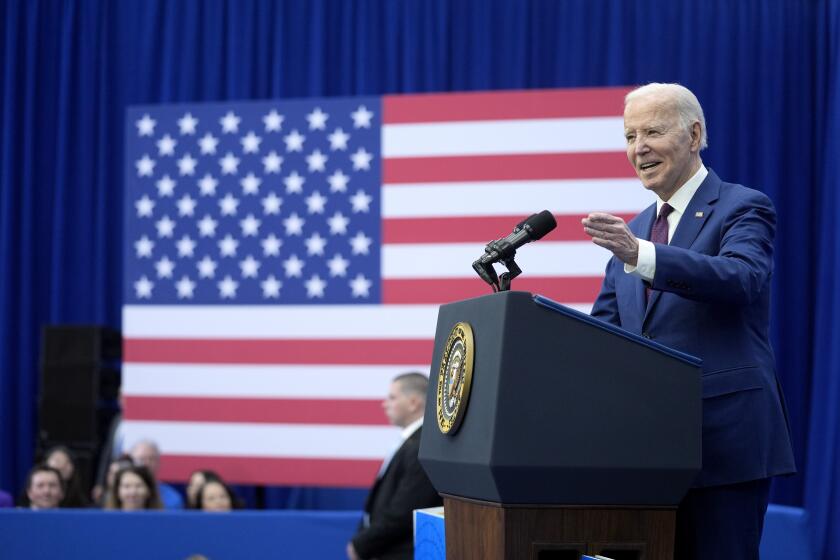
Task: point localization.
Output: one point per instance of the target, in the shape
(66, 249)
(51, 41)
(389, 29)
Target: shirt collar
(411, 428)
(682, 197)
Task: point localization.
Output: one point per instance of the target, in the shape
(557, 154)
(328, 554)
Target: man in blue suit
(693, 272)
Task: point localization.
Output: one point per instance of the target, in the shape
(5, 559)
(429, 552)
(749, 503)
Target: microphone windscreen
(541, 224)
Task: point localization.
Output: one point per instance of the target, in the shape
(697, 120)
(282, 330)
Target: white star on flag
(249, 267)
(361, 117)
(273, 121)
(338, 139)
(271, 287)
(144, 247)
(187, 124)
(250, 226)
(227, 288)
(361, 201)
(186, 165)
(294, 224)
(143, 288)
(317, 119)
(208, 144)
(316, 161)
(293, 267)
(229, 164)
(315, 244)
(186, 246)
(361, 159)
(206, 267)
(294, 183)
(315, 287)
(146, 126)
(164, 267)
(271, 246)
(165, 186)
(186, 205)
(294, 141)
(145, 166)
(250, 184)
(207, 185)
(251, 143)
(338, 265)
(165, 227)
(207, 226)
(338, 223)
(228, 205)
(271, 204)
(338, 181)
(144, 207)
(166, 146)
(315, 203)
(230, 123)
(272, 162)
(360, 244)
(185, 287)
(360, 286)
(227, 246)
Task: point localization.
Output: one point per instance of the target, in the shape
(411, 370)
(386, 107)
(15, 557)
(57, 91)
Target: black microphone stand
(488, 273)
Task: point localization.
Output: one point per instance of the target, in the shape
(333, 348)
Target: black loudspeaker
(79, 377)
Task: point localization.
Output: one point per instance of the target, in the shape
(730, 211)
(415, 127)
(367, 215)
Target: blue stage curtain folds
(766, 72)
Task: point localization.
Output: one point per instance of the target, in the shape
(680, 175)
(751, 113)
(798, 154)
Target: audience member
(402, 485)
(101, 493)
(147, 454)
(215, 495)
(44, 488)
(62, 459)
(197, 480)
(135, 489)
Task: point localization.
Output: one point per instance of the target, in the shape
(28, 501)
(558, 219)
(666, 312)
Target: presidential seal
(454, 378)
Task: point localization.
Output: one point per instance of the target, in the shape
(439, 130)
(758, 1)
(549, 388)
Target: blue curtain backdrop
(766, 71)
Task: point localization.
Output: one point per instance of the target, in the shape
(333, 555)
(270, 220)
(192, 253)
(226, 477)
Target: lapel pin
(698, 214)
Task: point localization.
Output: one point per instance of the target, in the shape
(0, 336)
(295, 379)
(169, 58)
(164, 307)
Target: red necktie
(659, 233)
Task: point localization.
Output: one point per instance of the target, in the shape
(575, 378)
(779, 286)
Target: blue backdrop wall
(766, 71)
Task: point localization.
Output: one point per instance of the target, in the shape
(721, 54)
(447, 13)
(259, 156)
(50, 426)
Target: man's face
(145, 455)
(661, 151)
(45, 490)
(399, 407)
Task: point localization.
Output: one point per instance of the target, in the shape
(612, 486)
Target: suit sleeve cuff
(645, 264)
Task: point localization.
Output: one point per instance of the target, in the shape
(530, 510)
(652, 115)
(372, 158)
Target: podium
(576, 437)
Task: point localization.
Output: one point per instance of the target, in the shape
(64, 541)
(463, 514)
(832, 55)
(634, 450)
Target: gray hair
(413, 383)
(684, 102)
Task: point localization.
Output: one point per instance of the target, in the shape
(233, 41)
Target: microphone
(532, 228)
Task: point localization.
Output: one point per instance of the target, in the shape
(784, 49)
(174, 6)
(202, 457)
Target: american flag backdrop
(285, 259)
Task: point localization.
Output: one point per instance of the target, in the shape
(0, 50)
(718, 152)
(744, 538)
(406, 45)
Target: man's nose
(641, 146)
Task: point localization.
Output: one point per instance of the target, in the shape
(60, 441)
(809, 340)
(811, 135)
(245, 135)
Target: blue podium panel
(95, 535)
(787, 535)
(429, 534)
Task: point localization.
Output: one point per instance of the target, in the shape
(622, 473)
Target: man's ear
(696, 132)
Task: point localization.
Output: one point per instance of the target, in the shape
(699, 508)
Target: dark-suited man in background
(401, 486)
(693, 272)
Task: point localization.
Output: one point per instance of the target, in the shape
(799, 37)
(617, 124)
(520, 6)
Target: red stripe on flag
(571, 289)
(506, 105)
(504, 167)
(482, 229)
(201, 351)
(244, 409)
(270, 470)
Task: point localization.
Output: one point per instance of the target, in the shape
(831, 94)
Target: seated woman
(100, 494)
(135, 489)
(62, 459)
(215, 495)
(197, 480)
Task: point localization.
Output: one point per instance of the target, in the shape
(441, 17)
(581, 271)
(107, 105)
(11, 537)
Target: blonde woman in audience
(135, 489)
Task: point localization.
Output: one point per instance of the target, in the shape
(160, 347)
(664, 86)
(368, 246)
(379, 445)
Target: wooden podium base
(491, 531)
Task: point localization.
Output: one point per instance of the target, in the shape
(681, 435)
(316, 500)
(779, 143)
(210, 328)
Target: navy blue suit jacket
(711, 299)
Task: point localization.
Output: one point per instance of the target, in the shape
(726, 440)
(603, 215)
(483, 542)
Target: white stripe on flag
(263, 440)
(595, 134)
(262, 381)
(506, 198)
